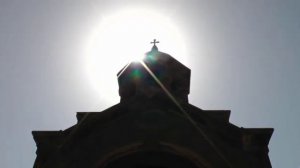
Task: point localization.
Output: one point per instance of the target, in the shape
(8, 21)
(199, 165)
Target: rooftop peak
(154, 48)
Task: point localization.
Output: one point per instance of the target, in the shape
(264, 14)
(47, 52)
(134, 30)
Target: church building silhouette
(154, 126)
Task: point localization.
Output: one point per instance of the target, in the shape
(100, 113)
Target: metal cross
(154, 42)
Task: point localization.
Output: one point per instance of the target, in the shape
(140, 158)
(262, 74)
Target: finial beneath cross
(154, 48)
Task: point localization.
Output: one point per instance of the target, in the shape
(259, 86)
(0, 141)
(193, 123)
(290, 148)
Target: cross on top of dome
(154, 48)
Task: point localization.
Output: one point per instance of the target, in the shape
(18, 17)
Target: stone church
(153, 126)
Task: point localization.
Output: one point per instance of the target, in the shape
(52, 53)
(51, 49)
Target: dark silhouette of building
(153, 126)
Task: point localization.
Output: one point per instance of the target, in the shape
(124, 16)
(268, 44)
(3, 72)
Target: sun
(122, 37)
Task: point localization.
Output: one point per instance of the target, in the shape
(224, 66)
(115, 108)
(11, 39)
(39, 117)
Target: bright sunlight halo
(123, 37)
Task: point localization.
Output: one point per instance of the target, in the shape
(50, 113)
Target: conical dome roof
(138, 78)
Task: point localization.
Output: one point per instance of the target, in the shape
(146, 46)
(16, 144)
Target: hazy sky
(244, 56)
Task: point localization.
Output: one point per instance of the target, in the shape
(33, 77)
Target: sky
(244, 56)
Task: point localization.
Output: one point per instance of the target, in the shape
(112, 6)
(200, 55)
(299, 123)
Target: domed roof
(143, 78)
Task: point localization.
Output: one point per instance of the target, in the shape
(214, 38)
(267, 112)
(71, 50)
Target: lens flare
(123, 37)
